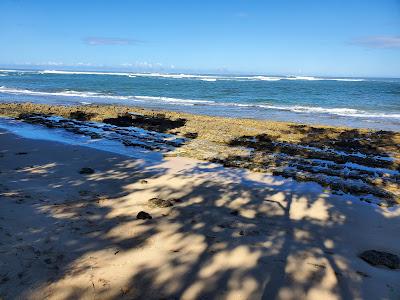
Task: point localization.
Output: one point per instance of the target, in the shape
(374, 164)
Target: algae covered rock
(161, 203)
(381, 258)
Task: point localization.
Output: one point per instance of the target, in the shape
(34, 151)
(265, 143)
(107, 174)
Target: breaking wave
(349, 112)
(69, 93)
(207, 78)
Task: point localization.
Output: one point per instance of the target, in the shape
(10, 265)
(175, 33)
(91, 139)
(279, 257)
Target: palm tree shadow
(230, 234)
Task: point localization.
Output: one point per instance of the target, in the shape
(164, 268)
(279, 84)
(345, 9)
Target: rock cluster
(381, 258)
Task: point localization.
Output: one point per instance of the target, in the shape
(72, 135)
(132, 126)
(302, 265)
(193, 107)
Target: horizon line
(186, 72)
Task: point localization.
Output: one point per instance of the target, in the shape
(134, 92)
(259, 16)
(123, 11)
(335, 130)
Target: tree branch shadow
(230, 234)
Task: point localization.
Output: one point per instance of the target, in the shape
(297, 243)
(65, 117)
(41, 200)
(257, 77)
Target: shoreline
(335, 157)
(229, 234)
(307, 100)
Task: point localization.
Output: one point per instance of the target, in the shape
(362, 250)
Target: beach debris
(161, 203)
(142, 215)
(86, 171)
(381, 258)
(143, 181)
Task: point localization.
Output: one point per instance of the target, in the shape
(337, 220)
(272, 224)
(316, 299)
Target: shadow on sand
(228, 235)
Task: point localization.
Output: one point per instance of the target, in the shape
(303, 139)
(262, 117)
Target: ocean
(356, 102)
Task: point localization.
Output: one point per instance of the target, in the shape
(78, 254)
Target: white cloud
(143, 65)
(241, 15)
(107, 41)
(379, 41)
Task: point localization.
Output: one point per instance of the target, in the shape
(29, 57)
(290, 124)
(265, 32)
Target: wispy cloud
(379, 41)
(147, 65)
(107, 41)
(57, 64)
(241, 15)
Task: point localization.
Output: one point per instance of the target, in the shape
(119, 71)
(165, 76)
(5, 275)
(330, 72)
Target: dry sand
(231, 234)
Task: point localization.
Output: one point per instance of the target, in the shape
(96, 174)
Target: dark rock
(362, 274)
(157, 202)
(143, 181)
(381, 258)
(191, 135)
(249, 232)
(122, 121)
(142, 215)
(177, 200)
(86, 171)
(81, 116)
(159, 123)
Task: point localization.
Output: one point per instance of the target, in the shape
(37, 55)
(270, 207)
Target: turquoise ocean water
(357, 102)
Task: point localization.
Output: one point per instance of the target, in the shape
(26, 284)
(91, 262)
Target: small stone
(381, 258)
(86, 171)
(142, 215)
(143, 181)
(84, 193)
(362, 274)
(21, 153)
(157, 202)
(249, 232)
(191, 135)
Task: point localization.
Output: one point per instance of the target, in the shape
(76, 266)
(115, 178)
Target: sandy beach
(208, 150)
(220, 233)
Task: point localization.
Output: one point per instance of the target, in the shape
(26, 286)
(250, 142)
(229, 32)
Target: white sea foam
(312, 78)
(180, 76)
(350, 112)
(83, 73)
(261, 78)
(9, 71)
(174, 100)
(209, 78)
(18, 71)
(69, 93)
(40, 93)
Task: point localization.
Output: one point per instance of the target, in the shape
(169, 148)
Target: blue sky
(283, 37)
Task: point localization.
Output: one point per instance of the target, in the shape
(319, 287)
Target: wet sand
(229, 234)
